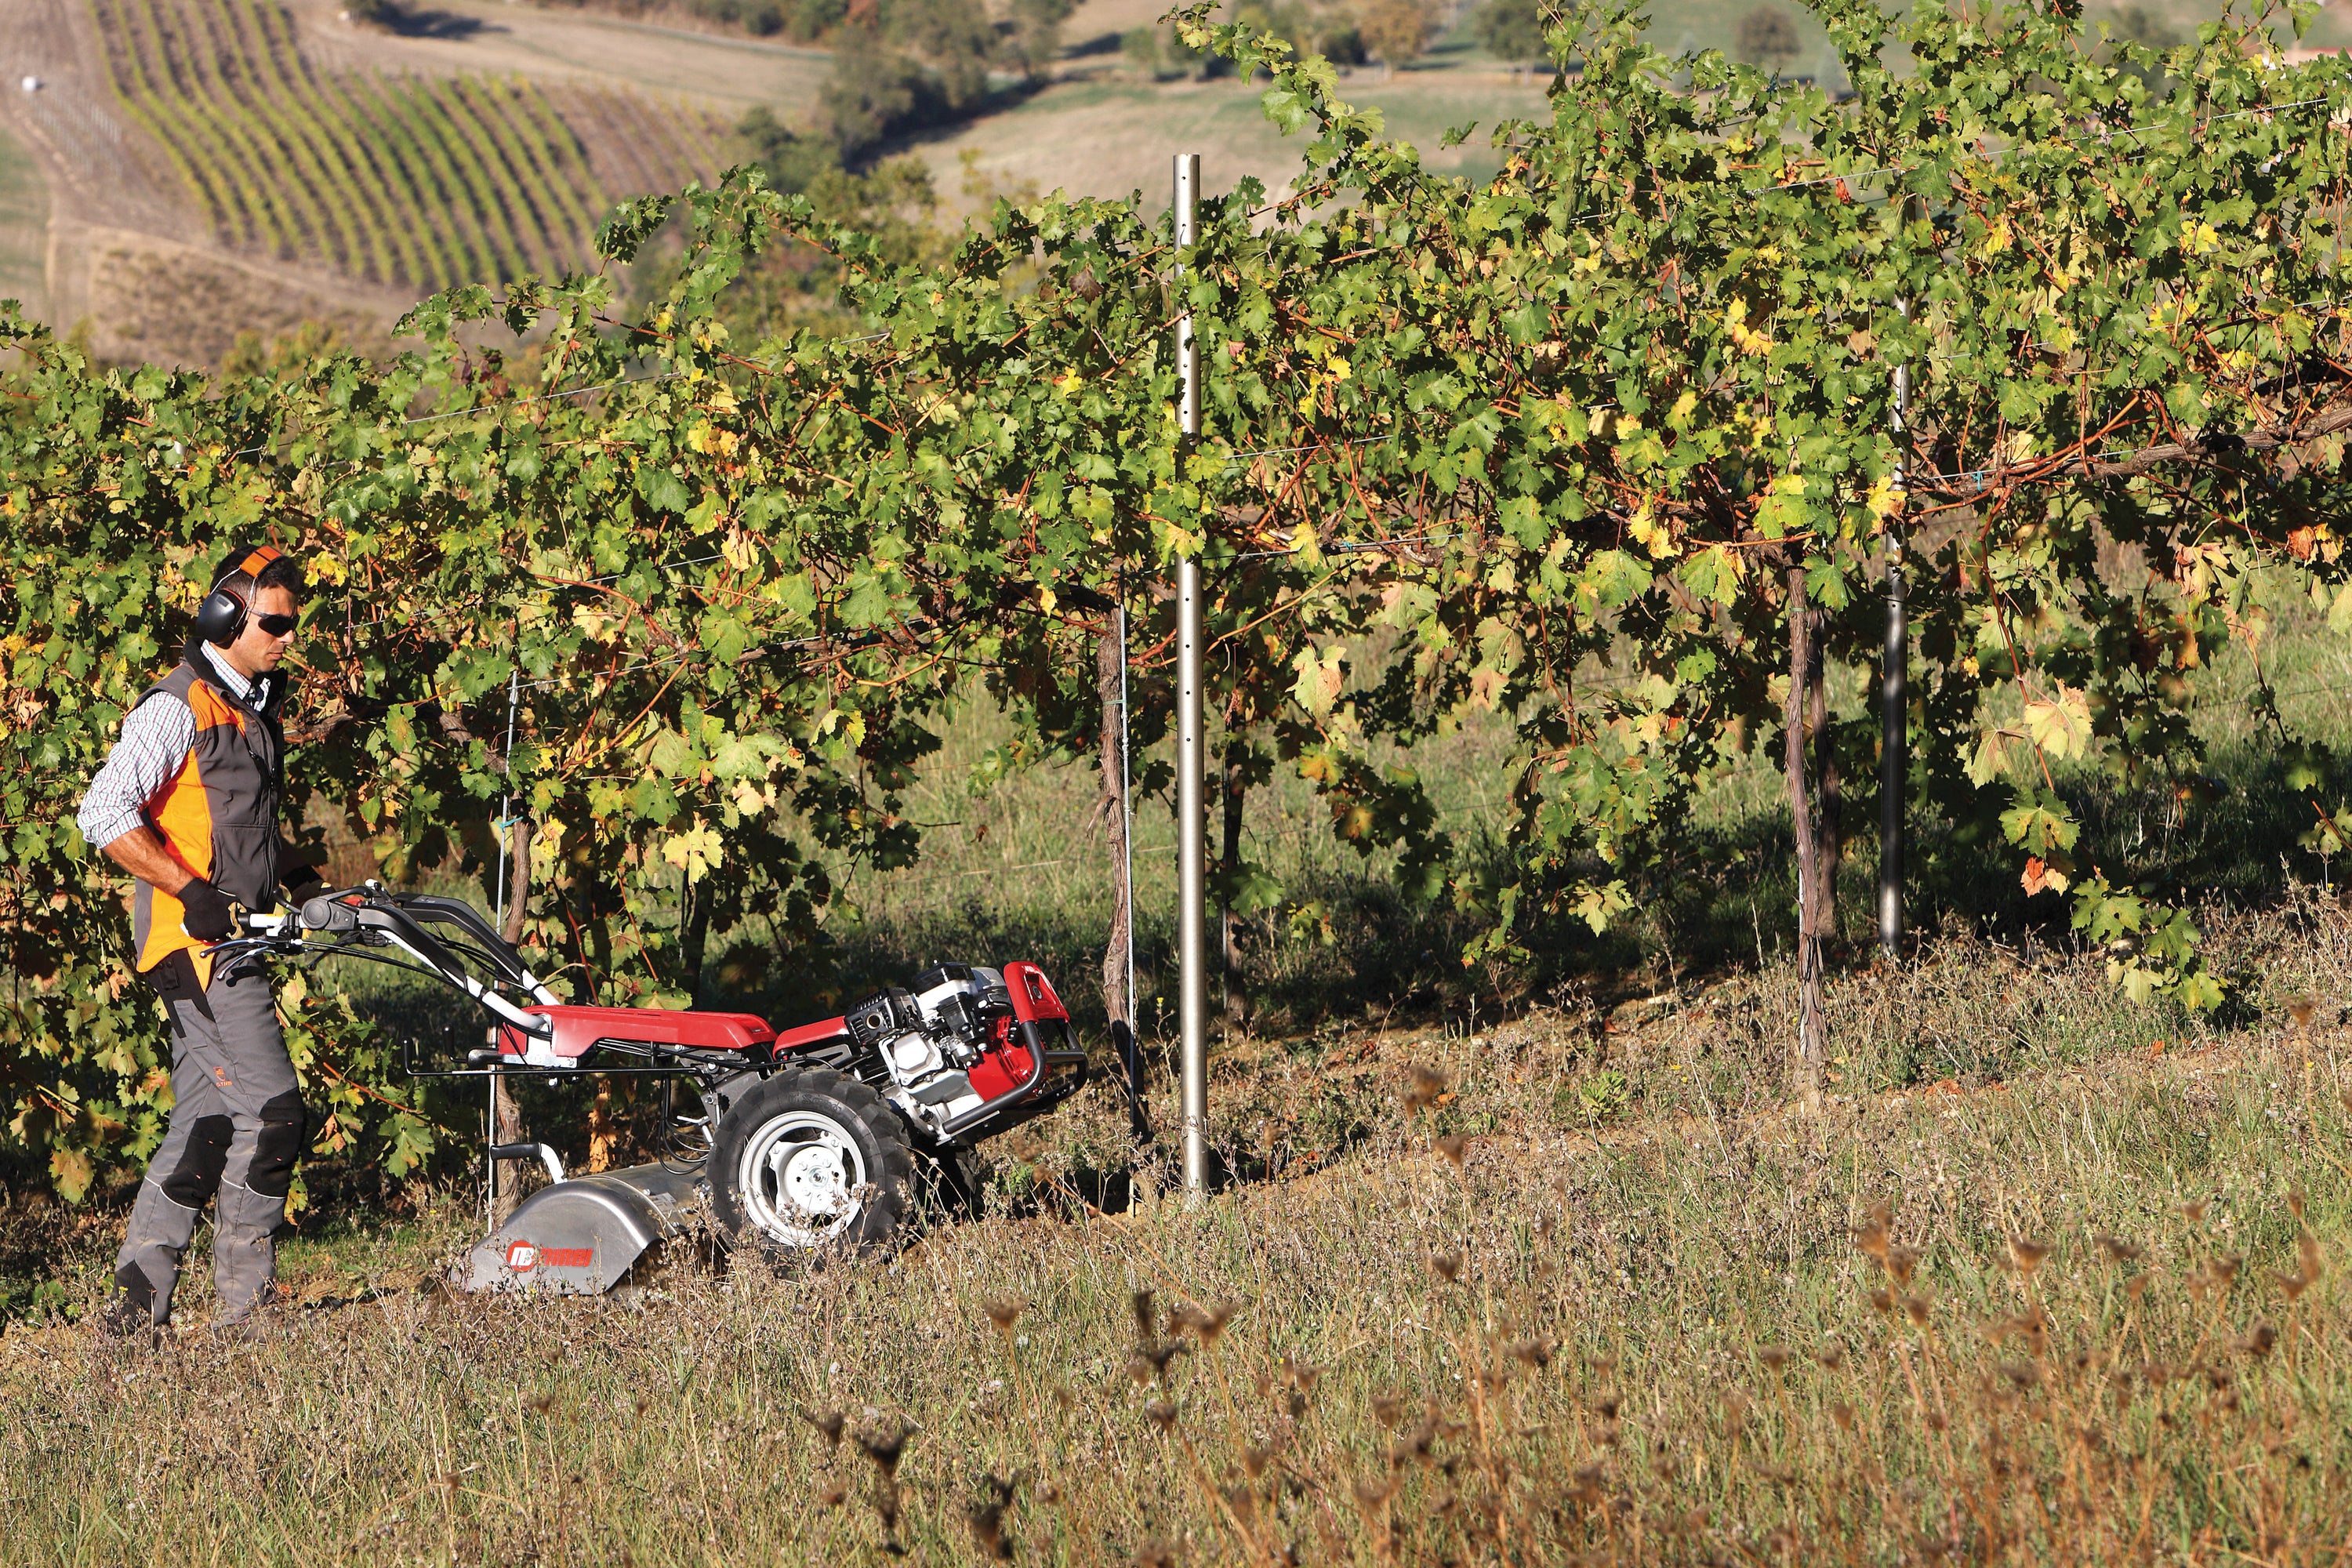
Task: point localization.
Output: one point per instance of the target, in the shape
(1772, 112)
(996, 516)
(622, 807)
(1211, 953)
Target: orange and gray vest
(217, 815)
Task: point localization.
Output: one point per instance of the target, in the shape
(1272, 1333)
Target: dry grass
(1467, 1330)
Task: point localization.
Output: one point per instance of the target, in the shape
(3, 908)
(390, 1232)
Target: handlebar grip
(330, 915)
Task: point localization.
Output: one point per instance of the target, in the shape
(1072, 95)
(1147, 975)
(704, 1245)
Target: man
(187, 804)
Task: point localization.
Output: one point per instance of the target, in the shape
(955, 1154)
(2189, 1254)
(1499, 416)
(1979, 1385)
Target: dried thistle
(987, 1519)
(1453, 1146)
(884, 1442)
(833, 1494)
(1902, 1262)
(2294, 1202)
(1004, 1312)
(1842, 1414)
(2300, 1008)
(2117, 1250)
(1155, 1554)
(2023, 1374)
(1871, 1236)
(1213, 1321)
(2194, 1211)
(1147, 1362)
(1426, 1086)
(1161, 1414)
(1533, 1354)
(2258, 1338)
(1387, 1409)
(1775, 1357)
(1144, 1318)
(1918, 1308)
(539, 1403)
(1373, 1496)
(1445, 1264)
(1416, 1443)
(2027, 1255)
(1831, 1355)
(830, 1422)
(1256, 1460)
(2307, 1247)
(2291, 1282)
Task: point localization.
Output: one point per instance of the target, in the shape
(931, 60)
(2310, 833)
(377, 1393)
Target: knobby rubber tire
(859, 1113)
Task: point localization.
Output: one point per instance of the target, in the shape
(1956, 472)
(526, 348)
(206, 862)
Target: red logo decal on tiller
(522, 1256)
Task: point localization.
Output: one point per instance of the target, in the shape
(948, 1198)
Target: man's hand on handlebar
(210, 917)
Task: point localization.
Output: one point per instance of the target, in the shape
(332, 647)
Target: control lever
(327, 912)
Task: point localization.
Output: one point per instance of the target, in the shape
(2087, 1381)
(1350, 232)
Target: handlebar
(371, 916)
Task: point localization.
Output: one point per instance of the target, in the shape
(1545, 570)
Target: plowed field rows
(422, 181)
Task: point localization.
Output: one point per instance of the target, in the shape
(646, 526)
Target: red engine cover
(578, 1029)
(1005, 1064)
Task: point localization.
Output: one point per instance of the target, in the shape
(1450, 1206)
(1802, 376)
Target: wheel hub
(800, 1177)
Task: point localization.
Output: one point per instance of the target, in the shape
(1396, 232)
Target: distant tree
(794, 162)
(1340, 42)
(2139, 24)
(1511, 29)
(1037, 32)
(954, 41)
(870, 94)
(809, 20)
(1394, 31)
(1767, 37)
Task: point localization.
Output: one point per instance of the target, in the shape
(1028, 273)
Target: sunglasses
(276, 625)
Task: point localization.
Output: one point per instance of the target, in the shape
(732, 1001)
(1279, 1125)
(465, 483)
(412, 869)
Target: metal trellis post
(490, 1084)
(1893, 717)
(1191, 821)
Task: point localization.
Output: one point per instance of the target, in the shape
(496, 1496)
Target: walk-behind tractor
(817, 1137)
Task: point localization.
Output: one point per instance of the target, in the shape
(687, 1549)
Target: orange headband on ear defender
(221, 616)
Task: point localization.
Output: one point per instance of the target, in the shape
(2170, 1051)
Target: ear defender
(220, 617)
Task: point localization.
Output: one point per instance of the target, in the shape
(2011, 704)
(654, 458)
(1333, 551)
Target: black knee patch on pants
(284, 1120)
(131, 1280)
(201, 1160)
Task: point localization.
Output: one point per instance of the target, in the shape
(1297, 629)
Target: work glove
(298, 877)
(210, 917)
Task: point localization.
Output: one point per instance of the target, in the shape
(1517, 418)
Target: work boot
(126, 1321)
(246, 1330)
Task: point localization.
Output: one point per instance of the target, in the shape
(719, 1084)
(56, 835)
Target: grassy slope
(1605, 1372)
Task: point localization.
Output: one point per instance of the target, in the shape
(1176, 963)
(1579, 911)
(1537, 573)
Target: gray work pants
(237, 1125)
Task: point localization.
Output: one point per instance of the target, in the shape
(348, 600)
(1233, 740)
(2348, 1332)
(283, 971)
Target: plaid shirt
(156, 736)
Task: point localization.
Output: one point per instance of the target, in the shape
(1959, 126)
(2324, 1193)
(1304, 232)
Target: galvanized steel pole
(1190, 749)
(1894, 702)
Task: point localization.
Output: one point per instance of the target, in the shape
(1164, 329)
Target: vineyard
(411, 180)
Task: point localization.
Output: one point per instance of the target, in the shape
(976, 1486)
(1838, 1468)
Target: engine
(928, 1039)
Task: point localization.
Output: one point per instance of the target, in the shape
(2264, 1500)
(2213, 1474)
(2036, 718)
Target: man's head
(249, 614)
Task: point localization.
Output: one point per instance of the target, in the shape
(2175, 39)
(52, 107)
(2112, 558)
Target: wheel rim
(803, 1179)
